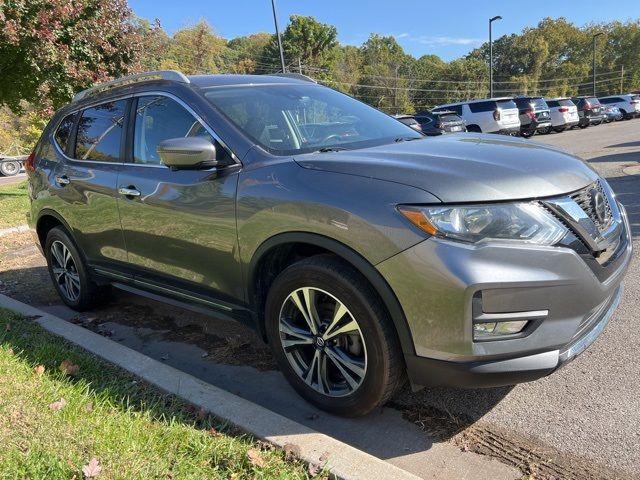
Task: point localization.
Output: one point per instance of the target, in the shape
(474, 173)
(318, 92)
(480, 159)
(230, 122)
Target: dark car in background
(534, 115)
(409, 121)
(589, 111)
(439, 123)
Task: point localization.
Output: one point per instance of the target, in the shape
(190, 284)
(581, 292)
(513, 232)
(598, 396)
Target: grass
(14, 205)
(130, 428)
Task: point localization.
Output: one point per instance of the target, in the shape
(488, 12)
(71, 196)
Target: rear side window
(100, 132)
(478, 107)
(64, 131)
(160, 118)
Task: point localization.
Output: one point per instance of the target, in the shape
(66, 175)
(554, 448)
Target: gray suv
(362, 252)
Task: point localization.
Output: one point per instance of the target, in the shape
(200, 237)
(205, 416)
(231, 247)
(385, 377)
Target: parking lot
(581, 422)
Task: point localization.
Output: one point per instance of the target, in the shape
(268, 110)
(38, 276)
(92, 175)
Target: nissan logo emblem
(599, 206)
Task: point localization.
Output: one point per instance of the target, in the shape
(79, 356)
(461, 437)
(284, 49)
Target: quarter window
(100, 132)
(64, 132)
(160, 118)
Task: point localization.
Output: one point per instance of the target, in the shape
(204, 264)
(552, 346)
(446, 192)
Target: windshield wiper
(406, 139)
(330, 149)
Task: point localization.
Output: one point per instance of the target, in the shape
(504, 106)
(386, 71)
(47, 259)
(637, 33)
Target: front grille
(584, 199)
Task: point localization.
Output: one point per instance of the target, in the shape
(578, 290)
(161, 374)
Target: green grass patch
(129, 427)
(14, 205)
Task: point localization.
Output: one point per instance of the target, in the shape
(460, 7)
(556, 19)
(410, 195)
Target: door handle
(128, 192)
(63, 180)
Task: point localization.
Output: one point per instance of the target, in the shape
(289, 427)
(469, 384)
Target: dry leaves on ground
(314, 469)
(291, 451)
(92, 469)
(38, 371)
(255, 457)
(58, 405)
(69, 368)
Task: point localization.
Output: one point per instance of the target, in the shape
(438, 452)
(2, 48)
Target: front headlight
(521, 222)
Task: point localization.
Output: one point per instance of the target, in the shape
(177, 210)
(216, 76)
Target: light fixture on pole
(275, 20)
(491, 20)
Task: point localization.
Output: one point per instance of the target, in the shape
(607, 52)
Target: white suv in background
(490, 115)
(564, 114)
(629, 104)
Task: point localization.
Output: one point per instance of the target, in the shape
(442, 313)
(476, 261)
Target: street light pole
(491, 20)
(594, 61)
(275, 20)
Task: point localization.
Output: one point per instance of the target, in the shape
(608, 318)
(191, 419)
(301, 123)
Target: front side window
(293, 119)
(160, 118)
(100, 132)
(64, 131)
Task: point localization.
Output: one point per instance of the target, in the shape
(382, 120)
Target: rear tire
(583, 125)
(527, 133)
(558, 129)
(69, 273)
(9, 169)
(545, 131)
(357, 354)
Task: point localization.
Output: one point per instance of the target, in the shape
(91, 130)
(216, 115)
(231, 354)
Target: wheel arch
(293, 244)
(48, 219)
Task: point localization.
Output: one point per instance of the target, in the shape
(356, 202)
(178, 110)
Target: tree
(196, 50)
(248, 54)
(385, 66)
(50, 49)
(306, 42)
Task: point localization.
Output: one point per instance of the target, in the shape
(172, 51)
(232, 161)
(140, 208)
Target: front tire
(558, 129)
(545, 131)
(332, 338)
(527, 133)
(69, 273)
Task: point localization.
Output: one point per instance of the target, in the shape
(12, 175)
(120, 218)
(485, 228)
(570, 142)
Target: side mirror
(187, 153)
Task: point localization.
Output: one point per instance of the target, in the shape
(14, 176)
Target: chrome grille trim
(583, 198)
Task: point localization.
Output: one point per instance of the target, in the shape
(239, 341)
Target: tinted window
(290, 119)
(505, 104)
(482, 107)
(553, 103)
(593, 101)
(566, 103)
(100, 132)
(160, 118)
(64, 131)
(607, 101)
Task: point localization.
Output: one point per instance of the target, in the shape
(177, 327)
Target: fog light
(497, 329)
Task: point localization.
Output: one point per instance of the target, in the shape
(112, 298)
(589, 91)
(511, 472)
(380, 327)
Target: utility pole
(594, 61)
(491, 20)
(622, 80)
(299, 66)
(275, 20)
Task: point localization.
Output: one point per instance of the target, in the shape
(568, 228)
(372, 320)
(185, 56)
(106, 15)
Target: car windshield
(294, 119)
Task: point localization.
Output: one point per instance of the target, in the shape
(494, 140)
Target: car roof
(225, 79)
(493, 99)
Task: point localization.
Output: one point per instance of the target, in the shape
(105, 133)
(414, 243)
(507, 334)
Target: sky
(449, 29)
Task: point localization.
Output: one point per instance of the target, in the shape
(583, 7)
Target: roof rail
(135, 78)
(297, 76)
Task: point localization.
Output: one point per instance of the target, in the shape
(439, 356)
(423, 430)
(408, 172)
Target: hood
(464, 167)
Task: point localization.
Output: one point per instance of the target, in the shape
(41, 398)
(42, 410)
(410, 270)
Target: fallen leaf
(314, 469)
(255, 458)
(69, 368)
(214, 433)
(291, 451)
(38, 371)
(92, 469)
(58, 405)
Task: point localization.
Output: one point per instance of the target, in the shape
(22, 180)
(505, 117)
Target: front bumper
(437, 283)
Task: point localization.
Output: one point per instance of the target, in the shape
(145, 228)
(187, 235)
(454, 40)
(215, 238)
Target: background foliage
(50, 49)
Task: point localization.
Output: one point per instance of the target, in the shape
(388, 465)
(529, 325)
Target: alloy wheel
(323, 342)
(65, 272)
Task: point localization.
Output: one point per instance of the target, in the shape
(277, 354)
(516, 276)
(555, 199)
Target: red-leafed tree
(50, 49)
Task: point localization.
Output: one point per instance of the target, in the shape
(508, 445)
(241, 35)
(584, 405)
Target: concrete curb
(8, 231)
(343, 461)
